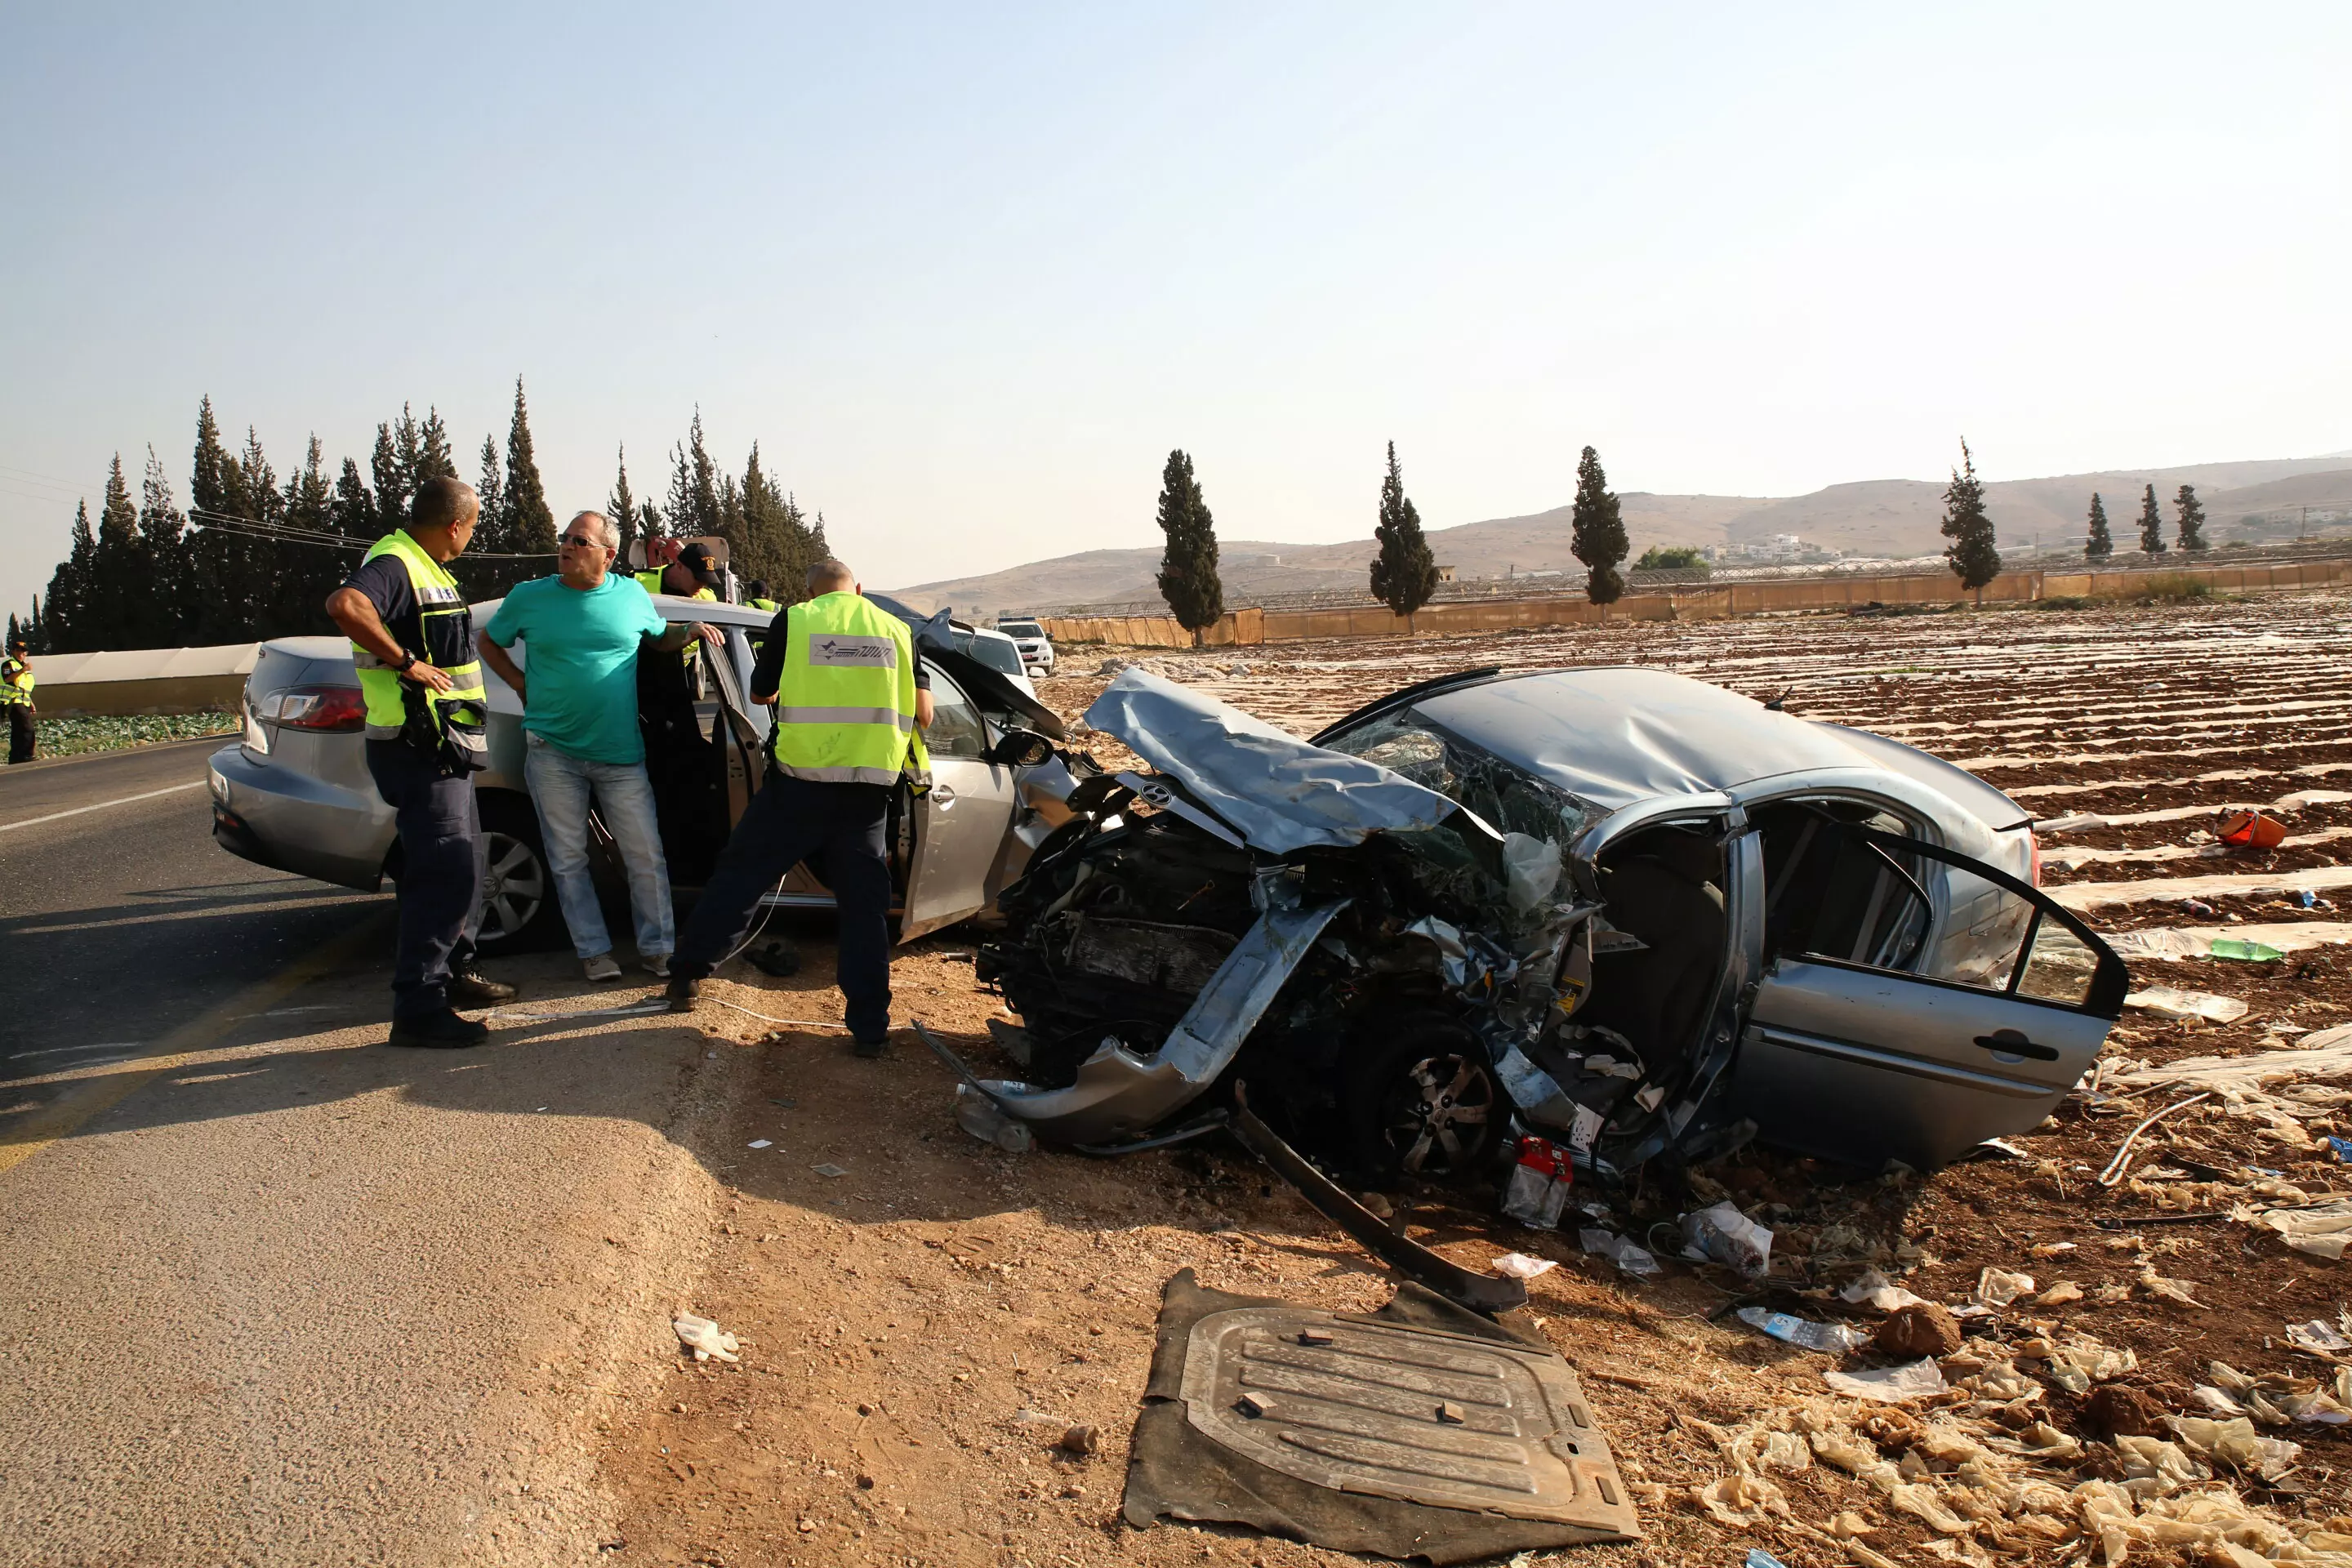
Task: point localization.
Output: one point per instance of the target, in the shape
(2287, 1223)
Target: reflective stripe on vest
(445, 627)
(16, 683)
(845, 701)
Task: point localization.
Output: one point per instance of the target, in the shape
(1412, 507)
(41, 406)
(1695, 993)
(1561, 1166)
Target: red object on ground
(2252, 830)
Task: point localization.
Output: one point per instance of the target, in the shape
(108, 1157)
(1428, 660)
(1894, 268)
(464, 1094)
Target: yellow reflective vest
(845, 701)
(450, 722)
(651, 582)
(16, 683)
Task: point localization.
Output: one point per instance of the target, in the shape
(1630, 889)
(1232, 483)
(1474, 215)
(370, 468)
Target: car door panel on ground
(1919, 1003)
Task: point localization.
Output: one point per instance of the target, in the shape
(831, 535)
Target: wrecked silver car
(1617, 908)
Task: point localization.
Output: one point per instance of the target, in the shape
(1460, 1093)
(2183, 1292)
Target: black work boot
(685, 990)
(869, 1046)
(442, 1031)
(470, 988)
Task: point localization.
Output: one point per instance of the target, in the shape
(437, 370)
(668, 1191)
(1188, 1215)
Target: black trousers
(789, 821)
(21, 736)
(441, 873)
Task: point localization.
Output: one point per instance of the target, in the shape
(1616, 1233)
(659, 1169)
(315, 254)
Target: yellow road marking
(64, 1116)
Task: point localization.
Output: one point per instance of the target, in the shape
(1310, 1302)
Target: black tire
(1423, 1102)
(520, 912)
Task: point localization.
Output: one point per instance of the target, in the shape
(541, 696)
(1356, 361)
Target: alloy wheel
(515, 890)
(1436, 1113)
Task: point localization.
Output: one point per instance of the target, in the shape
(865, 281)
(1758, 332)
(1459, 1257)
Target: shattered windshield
(1507, 798)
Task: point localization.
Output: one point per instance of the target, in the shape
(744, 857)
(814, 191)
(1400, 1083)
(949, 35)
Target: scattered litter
(2251, 830)
(2198, 907)
(829, 1169)
(2239, 947)
(2058, 1295)
(1835, 1339)
(2170, 1002)
(1721, 1234)
(1760, 1558)
(2341, 1148)
(1880, 1294)
(1999, 1286)
(2004, 1147)
(1080, 1441)
(1630, 1257)
(2234, 1443)
(703, 1337)
(1538, 1190)
(2155, 1284)
(760, 1143)
(2080, 822)
(2326, 1054)
(1890, 1384)
(2117, 1166)
(1921, 1328)
(2319, 1336)
(1519, 1265)
(986, 1121)
(2323, 1231)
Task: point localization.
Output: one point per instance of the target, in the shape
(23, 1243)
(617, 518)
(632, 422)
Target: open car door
(959, 823)
(1919, 1003)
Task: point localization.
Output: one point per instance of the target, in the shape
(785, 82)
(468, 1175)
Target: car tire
(1425, 1103)
(519, 911)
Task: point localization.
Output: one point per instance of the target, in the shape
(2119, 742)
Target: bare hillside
(1895, 518)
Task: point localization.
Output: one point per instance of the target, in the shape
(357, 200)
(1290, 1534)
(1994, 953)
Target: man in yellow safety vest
(412, 642)
(851, 703)
(16, 683)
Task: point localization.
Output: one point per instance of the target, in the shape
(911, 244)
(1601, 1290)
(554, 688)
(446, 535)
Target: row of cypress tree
(2190, 533)
(253, 556)
(1404, 575)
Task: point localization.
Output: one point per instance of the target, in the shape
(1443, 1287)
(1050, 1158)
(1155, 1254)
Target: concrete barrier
(144, 680)
(1251, 627)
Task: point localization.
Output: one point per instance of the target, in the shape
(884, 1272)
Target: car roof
(1617, 734)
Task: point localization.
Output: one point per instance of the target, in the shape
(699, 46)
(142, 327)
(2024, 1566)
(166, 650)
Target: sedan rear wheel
(518, 907)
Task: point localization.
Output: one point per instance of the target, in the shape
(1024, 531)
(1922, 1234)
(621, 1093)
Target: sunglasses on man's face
(583, 543)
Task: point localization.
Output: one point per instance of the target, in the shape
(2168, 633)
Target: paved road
(277, 1293)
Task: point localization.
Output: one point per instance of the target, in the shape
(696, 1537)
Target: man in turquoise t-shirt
(582, 630)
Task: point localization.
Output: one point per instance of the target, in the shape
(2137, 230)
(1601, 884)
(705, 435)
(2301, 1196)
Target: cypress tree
(2151, 524)
(205, 492)
(492, 531)
(354, 509)
(37, 633)
(1973, 557)
(2192, 518)
(622, 508)
(435, 460)
(2102, 544)
(1597, 532)
(392, 487)
(16, 629)
(116, 575)
(306, 573)
(530, 525)
(1188, 569)
(1404, 572)
(69, 587)
(693, 507)
(160, 620)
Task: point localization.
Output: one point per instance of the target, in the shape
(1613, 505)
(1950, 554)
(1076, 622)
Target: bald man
(851, 700)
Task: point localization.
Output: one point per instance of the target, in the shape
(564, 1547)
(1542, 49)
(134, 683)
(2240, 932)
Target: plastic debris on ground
(2251, 830)
(1519, 1265)
(2171, 1002)
(1721, 1234)
(1880, 1294)
(2323, 1232)
(2319, 1336)
(1890, 1384)
(1630, 1256)
(1999, 1286)
(1539, 1188)
(828, 1170)
(705, 1339)
(2248, 952)
(1834, 1339)
(1760, 1558)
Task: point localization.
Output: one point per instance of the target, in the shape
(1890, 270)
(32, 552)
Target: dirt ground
(923, 1317)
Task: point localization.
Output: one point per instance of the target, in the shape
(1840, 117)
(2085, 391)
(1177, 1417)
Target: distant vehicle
(294, 792)
(1036, 648)
(993, 648)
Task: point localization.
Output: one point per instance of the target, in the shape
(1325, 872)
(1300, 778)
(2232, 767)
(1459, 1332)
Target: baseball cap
(696, 558)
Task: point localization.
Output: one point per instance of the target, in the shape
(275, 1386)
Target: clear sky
(968, 272)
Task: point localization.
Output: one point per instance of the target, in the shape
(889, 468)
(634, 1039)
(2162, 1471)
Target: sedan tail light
(340, 708)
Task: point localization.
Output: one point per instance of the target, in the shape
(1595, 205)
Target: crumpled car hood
(1278, 791)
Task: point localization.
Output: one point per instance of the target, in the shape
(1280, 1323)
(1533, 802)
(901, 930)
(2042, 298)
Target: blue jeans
(561, 785)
